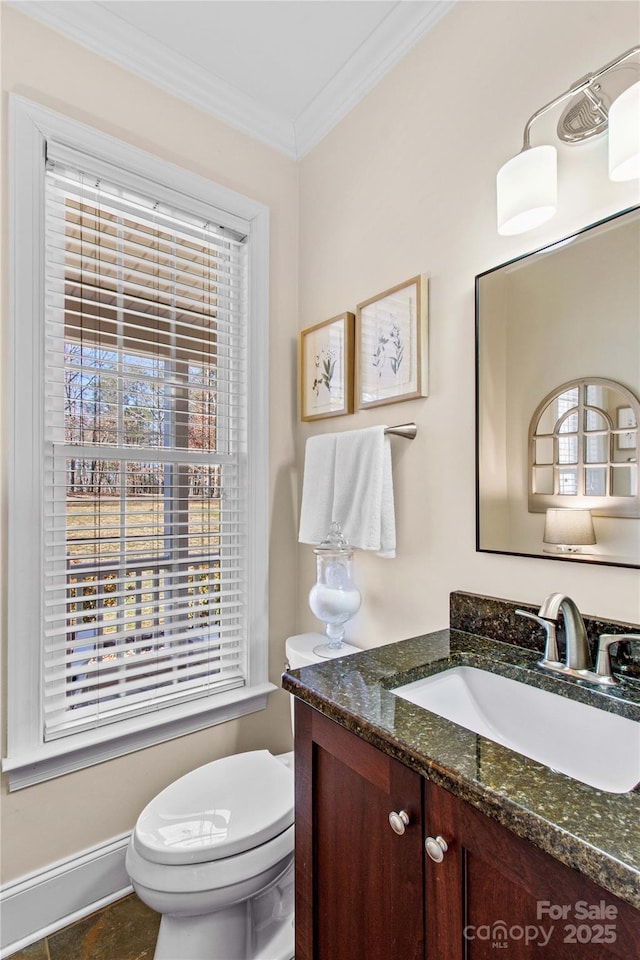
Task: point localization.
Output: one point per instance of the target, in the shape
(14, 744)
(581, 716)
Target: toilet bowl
(213, 853)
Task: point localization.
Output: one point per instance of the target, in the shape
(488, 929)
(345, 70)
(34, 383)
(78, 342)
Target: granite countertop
(595, 832)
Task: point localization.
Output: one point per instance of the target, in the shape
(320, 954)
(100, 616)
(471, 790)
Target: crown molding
(385, 47)
(91, 26)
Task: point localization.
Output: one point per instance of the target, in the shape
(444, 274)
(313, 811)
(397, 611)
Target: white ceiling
(283, 71)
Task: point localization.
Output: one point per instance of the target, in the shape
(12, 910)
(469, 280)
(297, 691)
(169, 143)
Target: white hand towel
(348, 479)
(363, 502)
(317, 488)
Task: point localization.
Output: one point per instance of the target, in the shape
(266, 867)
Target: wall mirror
(563, 320)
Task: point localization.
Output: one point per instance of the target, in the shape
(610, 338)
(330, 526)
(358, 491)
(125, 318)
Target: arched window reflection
(583, 449)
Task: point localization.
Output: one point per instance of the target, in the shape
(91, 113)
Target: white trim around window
(29, 758)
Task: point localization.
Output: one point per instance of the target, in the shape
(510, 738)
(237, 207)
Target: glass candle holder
(334, 598)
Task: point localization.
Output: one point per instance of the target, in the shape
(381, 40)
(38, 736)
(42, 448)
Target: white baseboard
(37, 905)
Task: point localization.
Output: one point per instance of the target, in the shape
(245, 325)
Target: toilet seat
(219, 810)
(211, 876)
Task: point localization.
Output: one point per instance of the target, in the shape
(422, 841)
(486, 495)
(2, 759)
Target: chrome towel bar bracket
(406, 430)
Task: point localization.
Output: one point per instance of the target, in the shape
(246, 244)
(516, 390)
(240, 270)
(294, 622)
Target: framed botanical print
(325, 368)
(391, 345)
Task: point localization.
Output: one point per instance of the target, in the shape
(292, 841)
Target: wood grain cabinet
(496, 894)
(359, 885)
(364, 892)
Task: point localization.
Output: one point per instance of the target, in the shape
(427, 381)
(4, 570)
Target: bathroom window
(138, 513)
(583, 449)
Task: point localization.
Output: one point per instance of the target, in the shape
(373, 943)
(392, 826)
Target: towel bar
(406, 430)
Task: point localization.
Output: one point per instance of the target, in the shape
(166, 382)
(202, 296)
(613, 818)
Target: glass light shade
(624, 135)
(569, 528)
(527, 188)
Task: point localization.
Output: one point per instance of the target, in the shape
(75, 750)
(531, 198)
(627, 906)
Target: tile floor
(125, 930)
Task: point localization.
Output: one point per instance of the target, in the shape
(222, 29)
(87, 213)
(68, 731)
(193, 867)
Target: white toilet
(213, 852)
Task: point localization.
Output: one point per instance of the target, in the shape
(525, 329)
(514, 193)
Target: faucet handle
(551, 645)
(603, 669)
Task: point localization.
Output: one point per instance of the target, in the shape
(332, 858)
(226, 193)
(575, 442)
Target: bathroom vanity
(493, 851)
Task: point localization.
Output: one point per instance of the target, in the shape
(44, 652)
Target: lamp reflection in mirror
(568, 530)
(527, 185)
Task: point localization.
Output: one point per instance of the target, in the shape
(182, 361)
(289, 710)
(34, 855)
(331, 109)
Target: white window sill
(95, 746)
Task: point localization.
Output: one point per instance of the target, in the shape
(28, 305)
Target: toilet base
(223, 934)
(260, 928)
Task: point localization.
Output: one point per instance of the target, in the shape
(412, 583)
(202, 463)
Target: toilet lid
(218, 810)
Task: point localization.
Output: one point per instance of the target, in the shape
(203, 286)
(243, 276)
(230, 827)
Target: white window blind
(145, 477)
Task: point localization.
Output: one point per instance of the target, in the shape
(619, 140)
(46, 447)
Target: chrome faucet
(604, 673)
(578, 655)
(550, 659)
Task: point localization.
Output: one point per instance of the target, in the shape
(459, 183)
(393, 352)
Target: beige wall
(44, 823)
(404, 185)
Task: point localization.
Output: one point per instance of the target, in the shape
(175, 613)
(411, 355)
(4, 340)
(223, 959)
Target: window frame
(606, 504)
(29, 759)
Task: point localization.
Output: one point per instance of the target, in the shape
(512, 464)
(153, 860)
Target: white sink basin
(598, 748)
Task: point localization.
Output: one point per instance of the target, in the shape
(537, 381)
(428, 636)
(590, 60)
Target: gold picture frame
(325, 368)
(391, 345)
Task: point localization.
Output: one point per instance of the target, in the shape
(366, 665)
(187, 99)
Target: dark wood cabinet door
(359, 885)
(495, 894)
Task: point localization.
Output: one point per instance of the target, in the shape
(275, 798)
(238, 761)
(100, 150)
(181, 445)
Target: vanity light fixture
(568, 530)
(527, 185)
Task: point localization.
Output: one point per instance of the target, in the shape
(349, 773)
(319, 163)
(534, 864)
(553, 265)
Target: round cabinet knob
(399, 821)
(436, 847)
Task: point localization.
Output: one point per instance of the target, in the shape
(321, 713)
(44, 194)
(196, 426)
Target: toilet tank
(300, 652)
